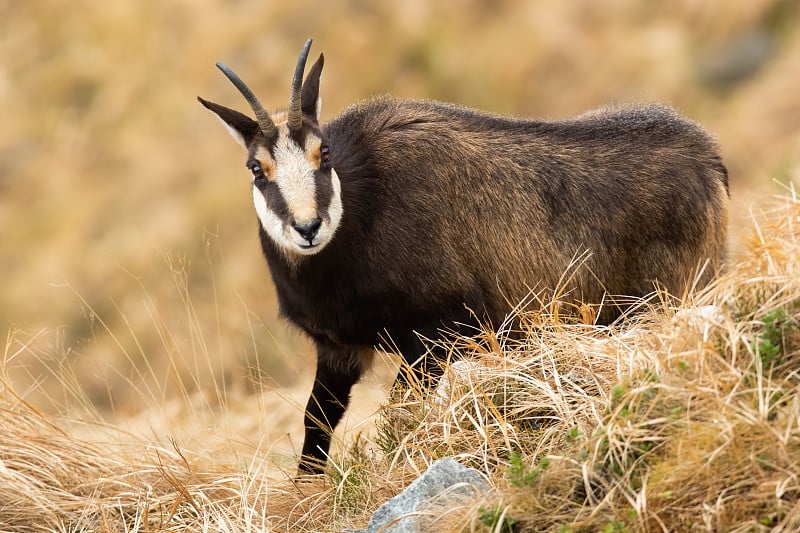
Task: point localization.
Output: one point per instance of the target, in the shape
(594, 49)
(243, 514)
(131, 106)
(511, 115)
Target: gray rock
(446, 481)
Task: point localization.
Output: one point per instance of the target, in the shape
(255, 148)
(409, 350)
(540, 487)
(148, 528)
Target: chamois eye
(325, 154)
(256, 169)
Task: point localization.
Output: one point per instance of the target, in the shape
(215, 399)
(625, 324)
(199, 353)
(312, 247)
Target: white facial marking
(295, 178)
(335, 210)
(294, 175)
(270, 221)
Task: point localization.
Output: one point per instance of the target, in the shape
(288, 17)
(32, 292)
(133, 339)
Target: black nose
(308, 231)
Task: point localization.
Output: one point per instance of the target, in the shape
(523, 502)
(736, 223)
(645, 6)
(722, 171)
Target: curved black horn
(295, 113)
(262, 116)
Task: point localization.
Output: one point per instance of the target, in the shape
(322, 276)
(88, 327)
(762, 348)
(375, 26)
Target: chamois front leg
(338, 369)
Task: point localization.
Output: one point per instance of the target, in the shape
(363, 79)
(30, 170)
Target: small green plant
(495, 519)
(519, 474)
(615, 526)
(351, 479)
(617, 393)
(769, 344)
(766, 349)
(573, 434)
(394, 425)
(651, 376)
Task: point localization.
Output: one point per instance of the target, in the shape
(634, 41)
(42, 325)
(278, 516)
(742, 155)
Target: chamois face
(296, 192)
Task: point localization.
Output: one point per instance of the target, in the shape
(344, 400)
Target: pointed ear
(311, 102)
(241, 127)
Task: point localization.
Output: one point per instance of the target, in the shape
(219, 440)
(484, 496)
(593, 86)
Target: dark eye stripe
(323, 185)
(275, 200)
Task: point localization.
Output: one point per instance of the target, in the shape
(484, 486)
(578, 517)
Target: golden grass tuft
(685, 416)
(52, 481)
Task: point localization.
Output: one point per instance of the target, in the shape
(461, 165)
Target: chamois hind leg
(424, 364)
(338, 369)
(426, 359)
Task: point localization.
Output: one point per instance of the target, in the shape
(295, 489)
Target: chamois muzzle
(308, 231)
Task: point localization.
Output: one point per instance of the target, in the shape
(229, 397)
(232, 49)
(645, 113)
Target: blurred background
(129, 261)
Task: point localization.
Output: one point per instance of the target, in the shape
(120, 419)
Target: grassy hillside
(684, 417)
(147, 384)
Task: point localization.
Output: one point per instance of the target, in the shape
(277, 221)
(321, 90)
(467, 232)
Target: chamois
(401, 219)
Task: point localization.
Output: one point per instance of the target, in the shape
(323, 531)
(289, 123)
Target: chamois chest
(325, 300)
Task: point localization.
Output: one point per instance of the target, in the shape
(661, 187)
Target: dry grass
(146, 390)
(684, 417)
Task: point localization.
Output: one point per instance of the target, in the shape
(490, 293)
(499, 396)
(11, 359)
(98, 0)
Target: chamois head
(295, 190)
